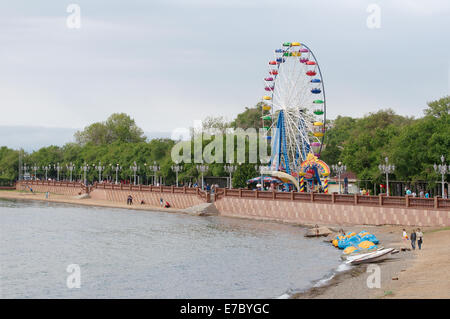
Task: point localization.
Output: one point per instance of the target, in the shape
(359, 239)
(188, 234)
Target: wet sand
(417, 274)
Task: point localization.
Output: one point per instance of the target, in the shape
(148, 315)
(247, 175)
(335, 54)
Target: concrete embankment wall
(311, 213)
(55, 189)
(176, 200)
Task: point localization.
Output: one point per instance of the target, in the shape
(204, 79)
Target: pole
(339, 182)
(387, 184)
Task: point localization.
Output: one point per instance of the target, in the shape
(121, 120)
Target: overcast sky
(168, 63)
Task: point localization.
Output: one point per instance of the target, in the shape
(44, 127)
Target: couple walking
(415, 235)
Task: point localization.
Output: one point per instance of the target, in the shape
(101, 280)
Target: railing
(349, 199)
(51, 183)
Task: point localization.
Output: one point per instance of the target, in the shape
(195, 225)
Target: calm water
(137, 254)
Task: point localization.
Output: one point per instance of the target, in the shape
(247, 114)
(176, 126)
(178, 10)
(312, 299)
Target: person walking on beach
(419, 235)
(413, 239)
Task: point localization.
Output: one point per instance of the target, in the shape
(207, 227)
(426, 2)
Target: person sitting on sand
(142, 202)
(167, 205)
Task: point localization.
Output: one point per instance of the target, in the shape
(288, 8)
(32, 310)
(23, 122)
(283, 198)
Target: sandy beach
(409, 274)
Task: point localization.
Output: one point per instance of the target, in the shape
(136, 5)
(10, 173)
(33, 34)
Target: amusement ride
(294, 116)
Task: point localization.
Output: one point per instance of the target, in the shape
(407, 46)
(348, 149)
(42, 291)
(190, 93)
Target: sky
(169, 63)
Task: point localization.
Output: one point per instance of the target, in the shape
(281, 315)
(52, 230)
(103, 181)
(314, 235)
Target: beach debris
(318, 231)
(394, 278)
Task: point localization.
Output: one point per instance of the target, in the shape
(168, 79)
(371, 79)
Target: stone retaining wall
(320, 213)
(176, 200)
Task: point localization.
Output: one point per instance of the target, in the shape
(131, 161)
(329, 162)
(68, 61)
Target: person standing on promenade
(421, 193)
(413, 239)
(419, 235)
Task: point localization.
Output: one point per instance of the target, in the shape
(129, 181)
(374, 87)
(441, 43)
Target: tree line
(412, 144)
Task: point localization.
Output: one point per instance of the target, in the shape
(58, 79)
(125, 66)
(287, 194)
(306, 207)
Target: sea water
(141, 254)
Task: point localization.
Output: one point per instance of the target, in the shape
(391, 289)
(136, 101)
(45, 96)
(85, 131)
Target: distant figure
(427, 195)
(405, 239)
(421, 194)
(167, 205)
(142, 202)
(161, 202)
(408, 191)
(419, 235)
(413, 239)
(46, 195)
(130, 200)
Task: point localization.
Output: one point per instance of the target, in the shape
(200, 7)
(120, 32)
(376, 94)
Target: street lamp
(46, 168)
(202, 169)
(25, 167)
(176, 169)
(134, 168)
(100, 169)
(230, 169)
(155, 168)
(339, 169)
(85, 168)
(117, 172)
(35, 168)
(443, 170)
(70, 167)
(386, 169)
(58, 168)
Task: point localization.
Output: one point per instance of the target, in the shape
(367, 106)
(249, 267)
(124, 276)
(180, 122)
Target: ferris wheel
(294, 108)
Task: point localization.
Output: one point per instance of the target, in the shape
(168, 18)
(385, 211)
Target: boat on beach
(376, 255)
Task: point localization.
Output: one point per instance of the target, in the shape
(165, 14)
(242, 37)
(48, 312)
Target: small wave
(284, 296)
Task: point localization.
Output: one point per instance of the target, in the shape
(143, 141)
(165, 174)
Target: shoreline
(405, 266)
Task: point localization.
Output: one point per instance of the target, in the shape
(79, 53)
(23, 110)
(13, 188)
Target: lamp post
(46, 168)
(70, 167)
(339, 169)
(230, 169)
(134, 168)
(177, 168)
(386, 169)
(58, 168)
(35, 168)
(100, 169)
(155, 168)
(25, 167)
(85, 168)
(443, 170)
(202, 169)
(118, 168)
